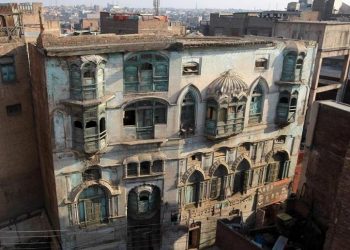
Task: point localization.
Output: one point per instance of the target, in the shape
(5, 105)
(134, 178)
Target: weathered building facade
(147, 143)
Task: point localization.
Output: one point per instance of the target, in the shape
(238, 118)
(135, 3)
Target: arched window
(289, 63)
(242, 177)
(188, 115)
(211, 117)
(145, 168)
(93, 206)
(147, 71)
(193, 187)
(217, 187)
(299, 67)
(287, 107)
(144, 115)
(131, 170)
(278, 167)
(256, 104)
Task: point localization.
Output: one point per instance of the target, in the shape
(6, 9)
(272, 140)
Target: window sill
(140, 142)
(92, 102)
(289, 82)
(143, 176)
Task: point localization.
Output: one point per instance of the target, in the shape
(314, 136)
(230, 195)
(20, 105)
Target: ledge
(88, 103)
(140, 142)
(289, 83)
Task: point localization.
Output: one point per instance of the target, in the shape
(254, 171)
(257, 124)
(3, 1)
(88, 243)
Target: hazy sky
(222, 4)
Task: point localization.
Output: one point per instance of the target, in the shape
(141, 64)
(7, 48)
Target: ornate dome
(229, 85)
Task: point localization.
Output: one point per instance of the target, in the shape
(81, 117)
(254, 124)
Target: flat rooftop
(109, 43)
(317, 22)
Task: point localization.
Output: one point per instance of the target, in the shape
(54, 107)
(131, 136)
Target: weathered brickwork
(328, 171)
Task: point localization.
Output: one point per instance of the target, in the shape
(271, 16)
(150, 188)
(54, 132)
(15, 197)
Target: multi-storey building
(20, 170)
(146, 143)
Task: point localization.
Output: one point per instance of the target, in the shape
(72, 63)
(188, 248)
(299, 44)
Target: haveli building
(145, 143)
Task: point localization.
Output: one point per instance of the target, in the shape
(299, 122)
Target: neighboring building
(21, 183)
(333, 40)
(325, 179)
(149, 148)
(90, 24)
(253, 23)
(123, 23)
(20, 169)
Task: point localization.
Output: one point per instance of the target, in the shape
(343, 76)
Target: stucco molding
(216, 164)
(190, 171)
(269, 155)
(239, 160)
(74, 194)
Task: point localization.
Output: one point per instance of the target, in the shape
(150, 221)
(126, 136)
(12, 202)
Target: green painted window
(289, 63)
(93, 206)
(146, 72)
(287, 107)
(256, 105)
(144, 115)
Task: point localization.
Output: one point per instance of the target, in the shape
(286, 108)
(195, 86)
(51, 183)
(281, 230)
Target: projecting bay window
(292, 66)
(287, 107)
(7, 69)
(146, 72)
(89, 129)
(225, 119)
(143, 116)
(87, 80)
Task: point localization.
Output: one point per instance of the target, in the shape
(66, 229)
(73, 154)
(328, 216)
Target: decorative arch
(189, 88)
(239, 160)
(148, 98)
(190, 171)
(269, 156)
(74, 194)
(216, 165)
(260, 80)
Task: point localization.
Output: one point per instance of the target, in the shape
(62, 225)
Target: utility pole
(156, 4)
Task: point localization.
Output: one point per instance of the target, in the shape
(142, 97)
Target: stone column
(344, 78)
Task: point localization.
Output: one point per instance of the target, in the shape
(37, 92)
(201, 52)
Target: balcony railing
(145, 133)
(10, 31)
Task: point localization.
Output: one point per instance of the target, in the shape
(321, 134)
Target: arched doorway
(144, 218)
(93, 206)
(241, 182)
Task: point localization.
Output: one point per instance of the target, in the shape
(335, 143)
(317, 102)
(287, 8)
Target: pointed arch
(189, 88)
(263, 82)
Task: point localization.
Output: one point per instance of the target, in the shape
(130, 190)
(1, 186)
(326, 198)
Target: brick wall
(227, 239)
(43, 128)
(20, 179)
(328, 173)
